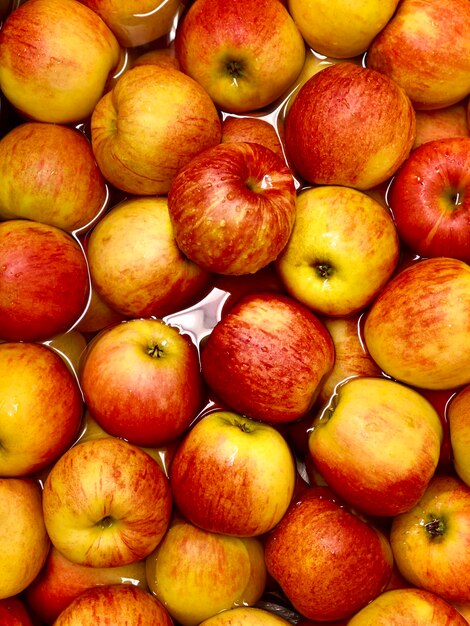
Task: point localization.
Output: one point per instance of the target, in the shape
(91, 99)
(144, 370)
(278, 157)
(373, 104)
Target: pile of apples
(234, 312)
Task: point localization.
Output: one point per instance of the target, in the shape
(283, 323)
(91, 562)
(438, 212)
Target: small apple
(44, 282)
(251, 129)
(430, 542)
(245, 54)
(106, 503)
(430, 199)
(458, 415)
(267, 357)
(416, 327)
(196, 573)
(233, 207)
(14, 612)
(141, 380)
(343, 249)
(246, 616)
(349, 125)
(55, 59)
(434, 124)
(233, 475)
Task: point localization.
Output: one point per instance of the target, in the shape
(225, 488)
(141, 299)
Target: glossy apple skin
(245, 616)
(233, 475)
(416, 327)
(415, 607)
(458, 415)
(41, 407)
(121, 605)
(49, 174)
(54, 288)
(61, 581)
(449, 121)
(13, 612)
(113, 510)
(196, 573)
(267, 357)
(25, 542)
(343, 249)
(244, 54)
(426, 50)
(328, 562)
(164, 118)
(349, 125)
(251, 129)
(430, 542)
(142, 381)
(55, 59)
(233, 207)
(430, 199)
(377, 445)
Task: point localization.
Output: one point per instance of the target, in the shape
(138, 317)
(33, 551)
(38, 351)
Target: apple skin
(245, 616)
(458, 415)
(449, 121)
(25, 542)
(233, 207)
(61, 581)
(54, 288)
(377, 445)
(426, 51)
(245, 55)
(233, 475)
(49, 174)
(328, 562)
(349, 125)
(41, 407)
(267, 357)
(415, 607)
(343, 249)
(157, 56)
(164, 119)
(13, 612)
(430, 542)
(196, 573)
(120, 605)
(55, 60)
(129, 252)
(251, 129)
(430, 199)
(407, 328)
(141, 380)
(105, 514)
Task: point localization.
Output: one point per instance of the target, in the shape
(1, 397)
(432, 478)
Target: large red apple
(267, 357)
(430, 199)
(233, 207)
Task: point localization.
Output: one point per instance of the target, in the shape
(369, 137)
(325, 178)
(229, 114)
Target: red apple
(142, 381)
(233, 207)
(252, 129)
(349, 125)
(449, 121)
(267, 357)
(430, 199)
(44, 283)
(13, 612)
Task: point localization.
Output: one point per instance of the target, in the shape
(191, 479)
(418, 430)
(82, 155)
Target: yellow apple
(245, 616)
(458, 415)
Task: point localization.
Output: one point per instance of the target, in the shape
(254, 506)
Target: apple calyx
(105, 522)
(235, 69)
(324, 270)
(258, 186)
(155, 351)
(435, 527)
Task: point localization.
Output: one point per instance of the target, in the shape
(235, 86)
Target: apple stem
(435, 527)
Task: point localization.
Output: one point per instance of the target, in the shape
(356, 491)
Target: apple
(251, 129)
(70, 346)
(430, 199)
(98, 315)
(233, 475)
(23, 537)
(106, 503)
(129, 252)
(349, 125)
(458, 415)
(54, 288)
(14, 612)
(233, 207)
(328, 562)
(377, 445)
(246, 616)
(196, 573)
(40, 410)
(426, 50)
(141, 380)
(136, 23)
(343, 249)
(120, 605)
(60, 581)
(153, 121)
(430, 542)
(414, 607)
(55, 59)
(267, 357)
(434, 124)
(157, 56)
(338, 29)
(416, 327)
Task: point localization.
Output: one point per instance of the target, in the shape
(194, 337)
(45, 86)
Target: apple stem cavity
(324, 270)
(435, 527)
(156, 351)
